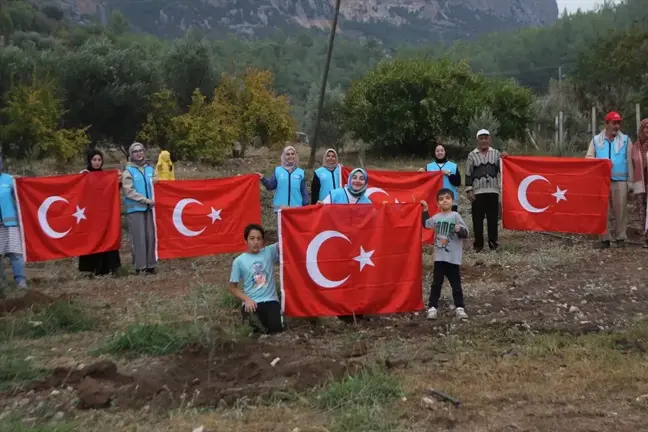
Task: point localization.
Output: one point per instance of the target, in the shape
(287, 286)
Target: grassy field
(556, 341)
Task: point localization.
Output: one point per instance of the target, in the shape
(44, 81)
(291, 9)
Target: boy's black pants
(266, 319)
(444, 270)
(485, 204)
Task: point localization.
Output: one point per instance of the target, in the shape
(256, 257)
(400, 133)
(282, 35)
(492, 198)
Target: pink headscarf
(286, 164)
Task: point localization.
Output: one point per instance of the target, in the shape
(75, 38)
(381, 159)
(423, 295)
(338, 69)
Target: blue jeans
(17, 267)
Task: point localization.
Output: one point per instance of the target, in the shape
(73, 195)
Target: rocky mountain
(387, 20)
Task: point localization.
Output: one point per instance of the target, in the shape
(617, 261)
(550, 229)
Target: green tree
(30, 121)
(157, 129)
(609, 76)
(258, 110)
(109, 88)
(118, 23)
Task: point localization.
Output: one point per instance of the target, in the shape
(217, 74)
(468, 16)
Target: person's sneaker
(432, 313)
(461, 313)
(605, 244)
(621, 244)
(22, 284)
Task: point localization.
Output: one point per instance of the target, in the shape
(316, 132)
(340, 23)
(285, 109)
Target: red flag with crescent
(69, 215)
(205, 217)
(403, 187)
(350, 259)
(555, 194)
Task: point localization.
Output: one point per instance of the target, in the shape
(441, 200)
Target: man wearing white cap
(483, 189)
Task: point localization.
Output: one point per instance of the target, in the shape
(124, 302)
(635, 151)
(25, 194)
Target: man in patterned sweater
(483, 184)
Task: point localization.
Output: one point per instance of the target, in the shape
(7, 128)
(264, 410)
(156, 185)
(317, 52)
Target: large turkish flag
(403, 186)
(350, 259)
(205, 217)
(556, 194)
(69, 215)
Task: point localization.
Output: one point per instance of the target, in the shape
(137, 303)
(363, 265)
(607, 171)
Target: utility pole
(311, 160)
(560, 114)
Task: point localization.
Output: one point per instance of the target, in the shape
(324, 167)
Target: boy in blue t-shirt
(255, 270)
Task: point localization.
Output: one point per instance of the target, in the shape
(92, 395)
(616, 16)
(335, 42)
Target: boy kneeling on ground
(449, 232)
(255, 268)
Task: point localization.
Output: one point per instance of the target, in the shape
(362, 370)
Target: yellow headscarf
(164, 167)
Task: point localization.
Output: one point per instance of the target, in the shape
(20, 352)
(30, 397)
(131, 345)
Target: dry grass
(522, 362)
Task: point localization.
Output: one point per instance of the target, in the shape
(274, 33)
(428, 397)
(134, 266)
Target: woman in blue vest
(137, 184)
(288, 182)
(353, 192)
(101, 263)
(10, 238)
(326, 177)
(450, 170)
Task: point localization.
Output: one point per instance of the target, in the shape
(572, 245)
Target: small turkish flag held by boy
(350, 259)
(555, 194)
(403, 187)
(205, 217)
(69, 215)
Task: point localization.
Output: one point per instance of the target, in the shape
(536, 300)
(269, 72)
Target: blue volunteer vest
(329, 180)
(619, 161)
(339, 196)
(142, 186)
(8, 212)
(450, 166)
(288, 192)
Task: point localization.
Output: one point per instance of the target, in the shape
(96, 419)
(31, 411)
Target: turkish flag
(69, 215)
(555, 194)
(205, 217)
(403, 186)
(350, 259)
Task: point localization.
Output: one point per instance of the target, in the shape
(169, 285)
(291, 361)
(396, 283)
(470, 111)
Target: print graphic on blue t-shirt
(258, 270)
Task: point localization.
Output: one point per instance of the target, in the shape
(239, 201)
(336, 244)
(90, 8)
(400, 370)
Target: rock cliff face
(388, 20)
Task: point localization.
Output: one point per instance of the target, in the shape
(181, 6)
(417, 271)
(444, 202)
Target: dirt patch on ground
(31, 300)
(194, 378)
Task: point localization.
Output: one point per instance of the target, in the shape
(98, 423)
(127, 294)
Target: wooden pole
(311, 160)
(593, 121)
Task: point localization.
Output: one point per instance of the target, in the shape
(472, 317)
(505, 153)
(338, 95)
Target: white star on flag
(215, 215)
(364, 258)
(559, 194)
(79, 214)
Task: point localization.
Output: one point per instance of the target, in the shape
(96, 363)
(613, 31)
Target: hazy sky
(573, 5)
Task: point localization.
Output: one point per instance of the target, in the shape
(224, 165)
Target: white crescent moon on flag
(177, 217)
(372, 190)
(42, 217)
(522, 193)
(312, 265)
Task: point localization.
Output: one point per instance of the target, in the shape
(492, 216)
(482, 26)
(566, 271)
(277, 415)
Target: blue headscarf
(361, 191)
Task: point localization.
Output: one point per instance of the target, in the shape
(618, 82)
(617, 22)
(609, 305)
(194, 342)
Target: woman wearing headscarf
(353, 192)
(288, 182)
(101, 263)
(10, 238)
(164, 167)
(326, 178)
(450, 170)
(640, 177)
(137, 184)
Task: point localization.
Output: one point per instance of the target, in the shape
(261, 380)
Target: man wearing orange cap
(613, 145)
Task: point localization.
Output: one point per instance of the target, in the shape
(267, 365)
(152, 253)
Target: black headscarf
(445, 158)
(92, 153)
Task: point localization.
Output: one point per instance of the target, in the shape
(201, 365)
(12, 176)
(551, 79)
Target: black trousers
(266, 319)
(486, 204)
(444, 270)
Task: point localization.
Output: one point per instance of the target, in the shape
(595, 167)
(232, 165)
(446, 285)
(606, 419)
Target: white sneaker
(432, 313)
(461, 313)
